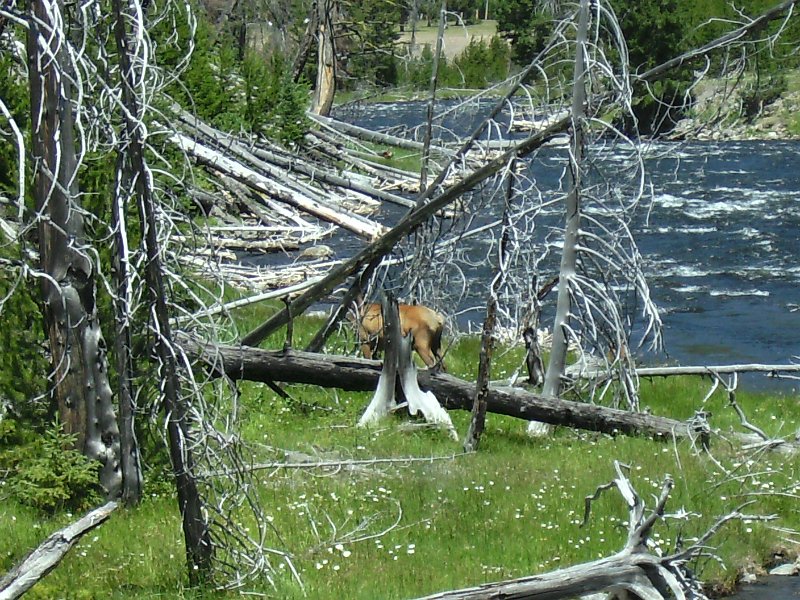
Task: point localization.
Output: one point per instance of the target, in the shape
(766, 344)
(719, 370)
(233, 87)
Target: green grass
(512, 509)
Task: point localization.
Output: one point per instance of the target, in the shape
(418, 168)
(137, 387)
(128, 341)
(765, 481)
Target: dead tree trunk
(423, 176)
(127, 172)
(479, 407)
(80, 366)
(326, 59)
(199, 549)
(384, 398)
(569, 258)
(358, 374)
(305, 45)
(478, 421)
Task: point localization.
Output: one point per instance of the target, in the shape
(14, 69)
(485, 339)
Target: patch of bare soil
(456, 37)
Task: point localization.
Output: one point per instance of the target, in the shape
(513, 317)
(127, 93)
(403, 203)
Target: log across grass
(415, 516)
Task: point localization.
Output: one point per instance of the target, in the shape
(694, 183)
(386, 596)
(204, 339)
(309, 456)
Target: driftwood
(50, 552)
(376, 137)
(285, 168)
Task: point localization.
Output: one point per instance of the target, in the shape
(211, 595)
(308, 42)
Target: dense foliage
(479, 65)
(43, 470)
(657, 30)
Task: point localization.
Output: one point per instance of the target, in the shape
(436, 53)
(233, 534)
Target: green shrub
(274, 104)
(478, 66)
(45, 471)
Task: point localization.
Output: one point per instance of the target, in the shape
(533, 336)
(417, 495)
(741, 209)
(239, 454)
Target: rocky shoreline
(775, 121)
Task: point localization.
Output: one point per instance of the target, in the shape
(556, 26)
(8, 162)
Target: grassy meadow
(434, 518)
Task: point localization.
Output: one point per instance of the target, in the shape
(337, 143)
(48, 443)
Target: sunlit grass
(405, 529)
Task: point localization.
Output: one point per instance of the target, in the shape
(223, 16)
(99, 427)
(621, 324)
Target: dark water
(770, 588)
(720, 243)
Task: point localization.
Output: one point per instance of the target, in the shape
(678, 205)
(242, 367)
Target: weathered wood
(50, 552)
(81, 386)
(773, 370)
(358, 374)
(411, 221)
(321, 174)
(581, 579)
(375, 136)
(272, 244)
(417, 400)
(325, 88)
(360, 226)
(384, 397)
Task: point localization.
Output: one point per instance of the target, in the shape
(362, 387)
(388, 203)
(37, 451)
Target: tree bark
(426, 143)
(80, 365)
(305, 45)
(46, 557)
(384, 398)
(326, 59)
(572, 209)
(480, 405)
(199, 549)
(358, 374)
(126, 176)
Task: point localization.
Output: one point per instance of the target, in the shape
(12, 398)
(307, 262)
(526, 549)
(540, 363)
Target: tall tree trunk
(131, 463)
(569, 257)
(305, 44)
(129, 448)
(326, 59)
(413, 17)
(80, 366)
(423, 176)
(478, 421)
(199, 549)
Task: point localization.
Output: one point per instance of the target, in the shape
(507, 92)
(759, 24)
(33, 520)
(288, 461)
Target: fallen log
(204, 155)
(375, 136)
(47, 556)
(633, 572)
(358, 374)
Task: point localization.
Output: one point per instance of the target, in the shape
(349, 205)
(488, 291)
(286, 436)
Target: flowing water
(720, 243)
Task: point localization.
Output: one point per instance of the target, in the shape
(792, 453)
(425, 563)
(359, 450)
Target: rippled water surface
(720, 244)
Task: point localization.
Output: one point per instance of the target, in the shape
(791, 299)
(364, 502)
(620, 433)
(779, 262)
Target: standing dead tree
(68, 265)
(325, 89)
(199, 549)
(85, 109)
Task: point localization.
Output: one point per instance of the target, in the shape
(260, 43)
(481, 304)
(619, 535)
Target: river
(720, 241)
